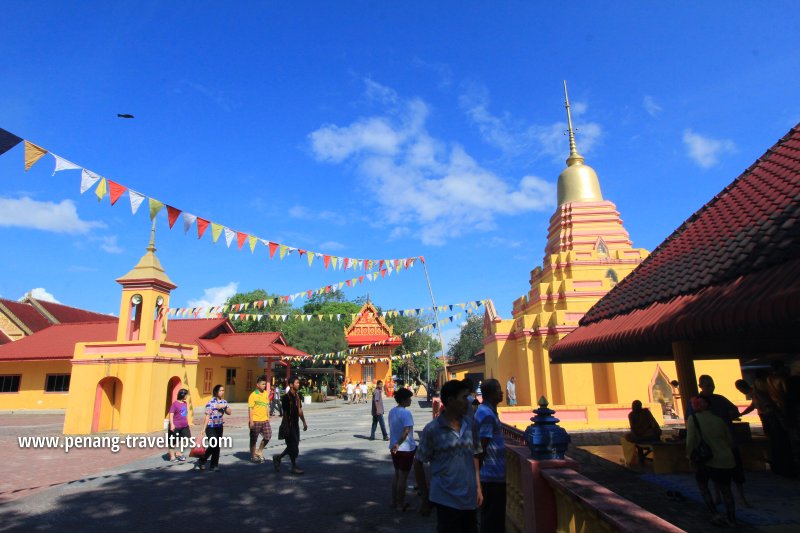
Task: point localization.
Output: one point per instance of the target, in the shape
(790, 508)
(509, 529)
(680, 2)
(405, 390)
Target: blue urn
(545, 438)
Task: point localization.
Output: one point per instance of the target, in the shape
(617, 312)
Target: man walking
(493, 466)
(377, 411)
(350, 391)
(290, 426)
(275, 396)
(449, 444)
(511, 392)
(259, 419)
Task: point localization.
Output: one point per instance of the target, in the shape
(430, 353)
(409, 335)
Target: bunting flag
(8, 141)
(91, 179)
(115, 190)
(229, 234)
(216, 231)
(136, 200)
(101, 189)
(202, 224)
(88, 179)
(172, 215)
(188, 220)
(33, 154)
(63, 164)
(155, 207)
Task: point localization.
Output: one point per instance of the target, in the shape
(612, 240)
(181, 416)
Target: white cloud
(298, 211)
(331, 246)
(705, 151)
(215, 295)
(515, 137)
(40, 293)
(423, 181)
(381, 93)
(651, 106)
(59, 217)
(109, 244)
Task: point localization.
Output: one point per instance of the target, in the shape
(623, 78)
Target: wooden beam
(684, 365)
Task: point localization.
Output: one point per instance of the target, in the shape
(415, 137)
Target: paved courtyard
(346, 486)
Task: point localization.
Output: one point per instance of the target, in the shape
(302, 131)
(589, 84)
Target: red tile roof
(4, 338)
(26, 314)
(58, 341)
(733, 266)
(66, 314)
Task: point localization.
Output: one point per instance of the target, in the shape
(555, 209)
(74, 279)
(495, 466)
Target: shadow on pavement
(345, 490)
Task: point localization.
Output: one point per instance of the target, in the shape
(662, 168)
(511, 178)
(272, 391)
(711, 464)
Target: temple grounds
(345, 488)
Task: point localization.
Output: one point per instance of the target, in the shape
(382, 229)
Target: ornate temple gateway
(588, 252)
(374, 362)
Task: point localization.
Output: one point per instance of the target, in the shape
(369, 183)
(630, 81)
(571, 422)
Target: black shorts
(177, 433)
(717, 475)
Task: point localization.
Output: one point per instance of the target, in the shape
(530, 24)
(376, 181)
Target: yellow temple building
(375, 340)
(588, 252)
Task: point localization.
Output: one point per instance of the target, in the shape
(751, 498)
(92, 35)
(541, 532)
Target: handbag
(701, 453)
(283, 430)
(198, 452)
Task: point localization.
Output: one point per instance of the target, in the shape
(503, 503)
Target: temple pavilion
(375, 341)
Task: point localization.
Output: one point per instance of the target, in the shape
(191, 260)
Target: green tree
(469, 341)
(416, 367)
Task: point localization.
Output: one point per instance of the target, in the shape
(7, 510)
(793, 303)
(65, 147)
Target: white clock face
(136, 299)
(159, 301)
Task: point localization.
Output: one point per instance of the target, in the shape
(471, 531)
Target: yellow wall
(31, 395)
(218, 365)
(144, 370)
(354, 372)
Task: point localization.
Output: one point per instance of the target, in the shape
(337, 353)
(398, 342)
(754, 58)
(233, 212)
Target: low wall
(546, 496)
(597, 416)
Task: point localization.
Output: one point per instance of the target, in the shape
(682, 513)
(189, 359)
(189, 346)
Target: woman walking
(290, 426)
(709, 446)
(216, 408)
(401, 446)
(179, 432)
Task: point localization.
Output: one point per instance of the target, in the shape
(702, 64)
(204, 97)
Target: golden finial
(152, 246)
(574, 156)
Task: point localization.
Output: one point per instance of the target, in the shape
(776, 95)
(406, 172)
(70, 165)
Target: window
(250, 383)
(207, 380)
(602, 249)
(57, 383)
(368, 373)
(9, 383)
(230, 376)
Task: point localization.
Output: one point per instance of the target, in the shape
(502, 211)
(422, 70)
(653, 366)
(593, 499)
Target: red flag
(397, 264)
(301, 252)
(383, 273)
(361, 279)
(380, 265)
(202, 224)
(408, 262)
(326, 259)
(240, 238)
(272, 247)
(348, 283)
(172, 215)
(308, 294)
(328, 288)
(346, 262)
(115, 190)
(422, 258)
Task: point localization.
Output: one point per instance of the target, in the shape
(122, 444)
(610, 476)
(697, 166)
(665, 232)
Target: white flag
(63, 164)
(229, 235)
(136, 200)
(88, 179)
(188, 220)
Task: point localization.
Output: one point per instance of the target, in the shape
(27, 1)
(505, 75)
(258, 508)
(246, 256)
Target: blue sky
(375, 130)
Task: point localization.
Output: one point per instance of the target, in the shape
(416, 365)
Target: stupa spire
(574, 156)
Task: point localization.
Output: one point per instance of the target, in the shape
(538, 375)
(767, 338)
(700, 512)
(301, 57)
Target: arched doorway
(107, 405)
(661, 391)
(173, 386)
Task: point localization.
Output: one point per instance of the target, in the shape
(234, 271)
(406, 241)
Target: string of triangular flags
(114, 190)
(378, 359)
(343, 354)
(237, 310)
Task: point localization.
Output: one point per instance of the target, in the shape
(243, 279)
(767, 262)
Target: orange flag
(33, 153)
(115, 190)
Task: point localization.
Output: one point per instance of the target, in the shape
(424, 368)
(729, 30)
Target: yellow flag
(155, 207)
(101, 189)
(33, 153)
(216, 231)
(310, 258)
(283, 249)
(252, 243)
(334, 260)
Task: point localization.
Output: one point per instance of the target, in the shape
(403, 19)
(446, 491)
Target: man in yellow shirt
(258, 411)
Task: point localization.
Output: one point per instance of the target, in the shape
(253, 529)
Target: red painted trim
(132, 360)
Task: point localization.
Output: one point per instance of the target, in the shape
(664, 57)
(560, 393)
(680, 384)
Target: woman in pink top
(179, 432)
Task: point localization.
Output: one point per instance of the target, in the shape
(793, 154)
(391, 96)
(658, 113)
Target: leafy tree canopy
(469, 341)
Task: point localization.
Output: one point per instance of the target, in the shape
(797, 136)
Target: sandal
(257, 459)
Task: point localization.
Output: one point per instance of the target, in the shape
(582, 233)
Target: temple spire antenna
(152, 246)
(574, 156)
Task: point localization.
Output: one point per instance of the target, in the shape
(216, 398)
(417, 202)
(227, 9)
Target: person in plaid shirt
(216, 408)
(450, 444)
